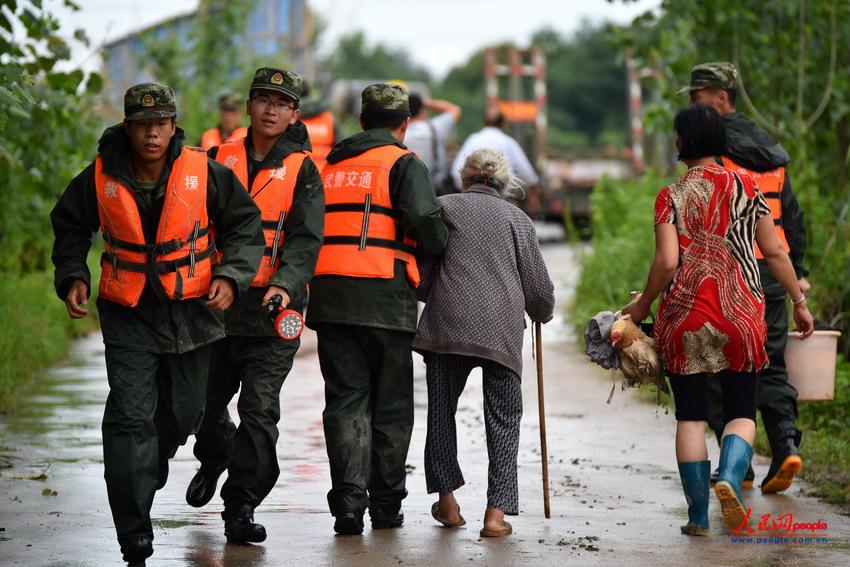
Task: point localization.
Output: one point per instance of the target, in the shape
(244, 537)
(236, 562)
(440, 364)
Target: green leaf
(5, 23)
(24, 93)
(58, 47)
(67, 82)
(94, 84)
(80, 35)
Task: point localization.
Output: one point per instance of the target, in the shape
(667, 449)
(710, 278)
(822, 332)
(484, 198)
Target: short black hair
(415, 102)
(389, 119)
(701, 132)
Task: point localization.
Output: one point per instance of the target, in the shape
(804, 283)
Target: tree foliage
(355, 58)
(47, 130)
(585, 81)
(203, 65)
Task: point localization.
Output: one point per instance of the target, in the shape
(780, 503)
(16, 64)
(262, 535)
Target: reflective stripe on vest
(321, 130)
(770, 183)
(272, 191)
(363, 237)
(212, 137)
(181, 256)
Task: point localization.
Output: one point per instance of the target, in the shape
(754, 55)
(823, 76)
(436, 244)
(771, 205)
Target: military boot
(349, 523)
(135, 549)
(239, 527)
(202, 487)
(786, 461)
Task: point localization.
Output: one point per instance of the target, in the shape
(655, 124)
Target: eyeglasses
(275, 104)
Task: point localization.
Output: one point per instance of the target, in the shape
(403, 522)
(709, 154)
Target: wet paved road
(616, 498)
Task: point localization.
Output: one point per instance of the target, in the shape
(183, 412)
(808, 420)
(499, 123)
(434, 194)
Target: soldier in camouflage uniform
(274, 160)
(157, 344)
(751, 150)
(379, 204)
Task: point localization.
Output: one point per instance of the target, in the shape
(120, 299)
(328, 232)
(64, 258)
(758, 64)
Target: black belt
(158, 249)
(377, 242)
(159, 266)
(361, 208)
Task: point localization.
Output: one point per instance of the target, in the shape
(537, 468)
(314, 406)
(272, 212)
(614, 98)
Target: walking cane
(544, 454)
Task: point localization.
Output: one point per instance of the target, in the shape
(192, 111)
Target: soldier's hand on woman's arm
(75, 301)
(222, 292)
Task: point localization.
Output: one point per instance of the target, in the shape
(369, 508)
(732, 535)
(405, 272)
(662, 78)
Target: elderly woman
(477, 294)
(711, 317)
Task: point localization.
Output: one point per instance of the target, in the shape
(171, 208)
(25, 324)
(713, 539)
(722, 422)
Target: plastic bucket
(811, 365)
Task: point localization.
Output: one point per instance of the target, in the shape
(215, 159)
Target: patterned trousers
(446, 376)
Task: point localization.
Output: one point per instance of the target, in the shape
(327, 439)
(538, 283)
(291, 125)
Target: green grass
(825, 448)
(618, 261)
(37, 329)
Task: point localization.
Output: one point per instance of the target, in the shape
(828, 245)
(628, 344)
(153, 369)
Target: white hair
(490, 167)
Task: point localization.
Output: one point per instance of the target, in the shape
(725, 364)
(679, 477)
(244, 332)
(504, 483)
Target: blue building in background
(273, 26)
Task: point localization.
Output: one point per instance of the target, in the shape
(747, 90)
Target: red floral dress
(711, 316)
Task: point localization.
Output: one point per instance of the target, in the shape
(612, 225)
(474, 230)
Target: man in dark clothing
(379, 206)
(752, 151)
(159, 290)
(273, 163)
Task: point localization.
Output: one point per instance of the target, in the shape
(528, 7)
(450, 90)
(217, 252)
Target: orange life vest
(181, 255)
(770, 183)
(212, 137)
(321, 130)
(363, 236)
(272, 191)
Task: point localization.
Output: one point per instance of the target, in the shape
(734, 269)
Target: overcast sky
(438, 33)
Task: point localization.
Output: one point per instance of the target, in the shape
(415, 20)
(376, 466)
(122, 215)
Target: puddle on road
(165, 523)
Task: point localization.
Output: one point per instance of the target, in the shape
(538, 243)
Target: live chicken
(639, 361)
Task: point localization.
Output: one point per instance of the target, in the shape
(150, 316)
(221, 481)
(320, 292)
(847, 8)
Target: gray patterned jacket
(490, 275)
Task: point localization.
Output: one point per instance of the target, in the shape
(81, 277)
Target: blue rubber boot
(735, 456)
(695, 477)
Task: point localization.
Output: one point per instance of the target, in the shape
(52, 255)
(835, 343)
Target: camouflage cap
(383, 97)
(149, 100)
(272, 79)
(716, 75)
(230, 101)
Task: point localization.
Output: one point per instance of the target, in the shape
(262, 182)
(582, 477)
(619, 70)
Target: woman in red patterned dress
(711, 315)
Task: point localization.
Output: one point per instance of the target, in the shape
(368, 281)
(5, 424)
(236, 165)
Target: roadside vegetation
(48, 131)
